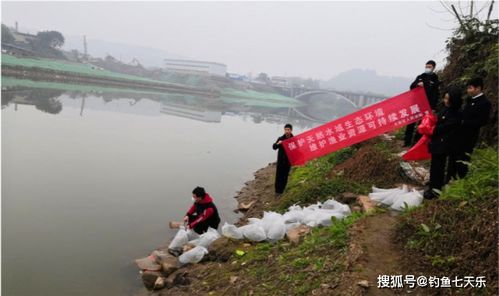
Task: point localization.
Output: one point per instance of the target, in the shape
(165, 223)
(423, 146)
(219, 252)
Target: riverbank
(322, 261)
(347, 257)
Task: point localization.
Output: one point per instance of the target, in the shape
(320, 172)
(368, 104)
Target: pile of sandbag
(273, 226)
(397, 198)
(189, 237)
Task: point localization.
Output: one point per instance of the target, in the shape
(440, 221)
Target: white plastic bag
(180, 239)
(269, 220)
(194, 255)
(207, 238)
(231, 231)
(294, 215)
(388, 197)
(253, 232)
(309, 217)
(276, 231)
(376, 189)
(410, 199)
(291, 225)
(191, 234)
(336, 206)
(295, 208)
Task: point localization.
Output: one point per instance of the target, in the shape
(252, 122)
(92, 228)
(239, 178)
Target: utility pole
(85, 52)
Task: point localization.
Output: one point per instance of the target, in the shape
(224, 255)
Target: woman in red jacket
(203, 213)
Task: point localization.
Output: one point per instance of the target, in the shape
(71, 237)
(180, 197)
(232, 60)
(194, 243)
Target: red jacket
(207, 213)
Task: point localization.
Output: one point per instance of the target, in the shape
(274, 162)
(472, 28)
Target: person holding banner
(444, 145)
(429, 80)
(283, 164)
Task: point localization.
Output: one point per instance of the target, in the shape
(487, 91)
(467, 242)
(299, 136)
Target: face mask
(193, 199)
(428, 70)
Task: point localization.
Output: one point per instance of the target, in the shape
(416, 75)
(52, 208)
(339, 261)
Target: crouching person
(203, 213)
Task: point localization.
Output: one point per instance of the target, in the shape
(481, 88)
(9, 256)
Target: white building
(190, 66)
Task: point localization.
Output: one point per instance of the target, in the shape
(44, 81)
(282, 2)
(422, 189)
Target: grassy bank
(317, 264)
(457, 234)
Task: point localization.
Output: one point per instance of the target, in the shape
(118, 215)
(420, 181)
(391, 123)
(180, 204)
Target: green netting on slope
(59, 65)
(14, 82)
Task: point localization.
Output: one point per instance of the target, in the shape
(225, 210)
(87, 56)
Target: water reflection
(43, 99)
(315, 109)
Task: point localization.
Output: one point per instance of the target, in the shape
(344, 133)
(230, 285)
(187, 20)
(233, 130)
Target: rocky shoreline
(255, 197)
(258, 193)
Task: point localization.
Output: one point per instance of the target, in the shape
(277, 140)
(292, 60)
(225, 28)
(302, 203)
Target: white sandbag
(291, 225)
(293, 216)
(410, 199)
(269, 220)
(336, 206)
(253, 232)
(231, 231)
(191, 234)
(207, 238)
(309, 217)
(295, 208)
(323, 216)
(254, 221)
(276, 231)
(388, 197)
(313, 206)
(194, 255)
(375, 189)
(180, 239)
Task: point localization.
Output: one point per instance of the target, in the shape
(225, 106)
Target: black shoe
(429, 194)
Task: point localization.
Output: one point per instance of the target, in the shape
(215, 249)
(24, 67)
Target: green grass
(312, 182)
(283, 268)
(480, 182)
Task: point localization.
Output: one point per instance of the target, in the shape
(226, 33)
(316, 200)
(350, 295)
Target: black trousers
(202, 226)
(461, 169)
(444, 167)
(410, 138)
(281, 177)
(437, 170)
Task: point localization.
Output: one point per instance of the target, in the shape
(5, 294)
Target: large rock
(178, 278)
(169, 265)
(366, 203)
(296, 234)
(153, 280)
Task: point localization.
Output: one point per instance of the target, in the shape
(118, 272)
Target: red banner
(359, 126)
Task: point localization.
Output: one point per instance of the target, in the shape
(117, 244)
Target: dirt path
(371, 253)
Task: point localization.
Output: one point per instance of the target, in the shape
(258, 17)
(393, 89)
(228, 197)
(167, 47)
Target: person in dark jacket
(444, 146)
(476, 113)
(429, 80)
(283, 165)
(203, 213)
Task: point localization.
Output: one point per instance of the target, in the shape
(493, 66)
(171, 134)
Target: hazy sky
(318, 39)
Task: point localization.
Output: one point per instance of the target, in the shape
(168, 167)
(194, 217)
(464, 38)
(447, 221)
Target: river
(91, 179)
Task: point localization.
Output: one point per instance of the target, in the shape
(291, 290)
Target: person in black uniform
(203, 213)
(283, 165)
(476, 113)
(444, 145)
(429, 80)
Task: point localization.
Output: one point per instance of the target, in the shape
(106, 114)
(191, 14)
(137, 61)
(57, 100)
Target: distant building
(199, 67)
(235, 76)
(280, 81)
